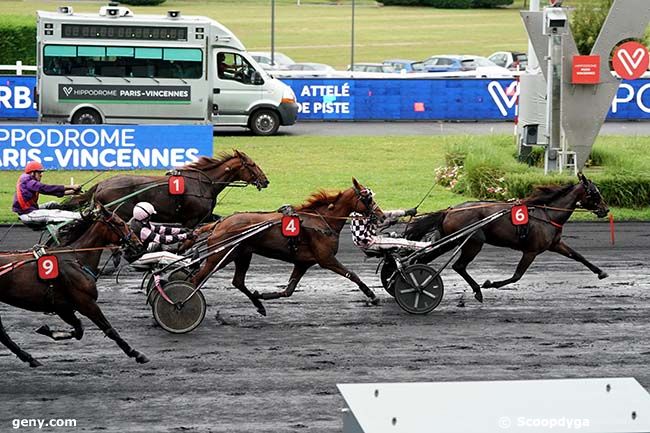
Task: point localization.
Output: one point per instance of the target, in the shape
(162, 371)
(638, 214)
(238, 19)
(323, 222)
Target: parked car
(316, 67)
(371, 67)
(513, 60)
(281, 61)
(462, 63)
(404, 66)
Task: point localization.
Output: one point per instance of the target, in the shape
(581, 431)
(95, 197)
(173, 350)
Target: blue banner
(385, 99)
(103, 147)
(435, 99)
(17, 97)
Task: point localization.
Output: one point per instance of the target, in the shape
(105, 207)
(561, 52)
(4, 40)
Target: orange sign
(585, 70)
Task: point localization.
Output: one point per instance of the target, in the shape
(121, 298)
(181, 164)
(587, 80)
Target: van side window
(122, 61)
(232, 66)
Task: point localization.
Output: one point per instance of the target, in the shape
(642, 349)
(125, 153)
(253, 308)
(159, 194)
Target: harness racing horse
(74, 290)
(322, 217)
(204, 180)
(549, 209)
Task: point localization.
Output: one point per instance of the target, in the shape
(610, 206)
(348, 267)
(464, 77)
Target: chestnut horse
(75, 287)
(549, 209)
(322, 217)
(204, 180)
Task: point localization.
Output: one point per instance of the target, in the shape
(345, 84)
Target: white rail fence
(18, 68)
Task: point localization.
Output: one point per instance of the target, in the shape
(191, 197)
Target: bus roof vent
(173, 15)
(114, 11)
(67, 10)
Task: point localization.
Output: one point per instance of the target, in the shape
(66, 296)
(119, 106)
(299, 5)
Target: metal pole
(553, 96)
(533, 63)
(273, 32)
(352, 40)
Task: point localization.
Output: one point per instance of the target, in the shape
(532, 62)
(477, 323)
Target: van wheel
(264, 122)
(87, 116)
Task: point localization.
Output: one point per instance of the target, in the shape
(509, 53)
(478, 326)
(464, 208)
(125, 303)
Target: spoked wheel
(387, 276)
(180, 274)
(184, 314)
(421, 293)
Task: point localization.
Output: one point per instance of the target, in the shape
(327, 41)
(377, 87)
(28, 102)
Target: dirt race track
(241, 372)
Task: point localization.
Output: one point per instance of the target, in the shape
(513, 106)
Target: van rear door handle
(216, 91)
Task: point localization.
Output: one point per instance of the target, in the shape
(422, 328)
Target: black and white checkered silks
(364, 233)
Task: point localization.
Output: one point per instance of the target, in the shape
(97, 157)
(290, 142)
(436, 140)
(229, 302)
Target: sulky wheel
(184, 314)
(180, 274)
(387, 276)
(421, 293)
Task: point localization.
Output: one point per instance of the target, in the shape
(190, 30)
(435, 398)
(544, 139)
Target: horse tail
(76, 202)
(424, 224)
(206, 228)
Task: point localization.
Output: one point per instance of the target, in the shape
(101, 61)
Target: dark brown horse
(75, 289)
(204, 180)
(549, 209)
(322, 218)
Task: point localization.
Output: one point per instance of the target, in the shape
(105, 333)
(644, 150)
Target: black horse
(204, 180)
(549, 208)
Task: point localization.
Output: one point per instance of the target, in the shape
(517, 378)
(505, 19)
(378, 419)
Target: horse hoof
(34, 363)
(603, 275)
(479, 296)
(487, 284)
(375, 301)
(140, 358)
(44, 330)
(262, 311)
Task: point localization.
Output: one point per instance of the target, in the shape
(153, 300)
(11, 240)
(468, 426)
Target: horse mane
(206, 163)
(319, 198)
(547, 193)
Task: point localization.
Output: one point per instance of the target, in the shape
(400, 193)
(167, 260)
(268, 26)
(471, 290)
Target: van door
(234, 92)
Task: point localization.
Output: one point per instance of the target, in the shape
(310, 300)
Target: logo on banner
(506, 98)
(48, 267)
(67, 91)
(631, 60)
(290, 226)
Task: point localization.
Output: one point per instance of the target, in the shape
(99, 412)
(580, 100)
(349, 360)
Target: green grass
(320, 31)
(399, 169)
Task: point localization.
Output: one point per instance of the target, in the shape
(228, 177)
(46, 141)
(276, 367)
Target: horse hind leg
(242, 263)
(522, 267)
(21, 354)
(334, 265)
(467, 254)
(70, 318)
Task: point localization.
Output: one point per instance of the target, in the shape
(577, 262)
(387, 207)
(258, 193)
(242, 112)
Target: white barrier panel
(616, 405)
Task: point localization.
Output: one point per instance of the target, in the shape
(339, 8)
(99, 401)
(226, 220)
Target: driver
(364, 232)
(154, 236)
(28, 189)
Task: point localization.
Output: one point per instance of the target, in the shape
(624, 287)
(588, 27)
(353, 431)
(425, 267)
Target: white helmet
(143, 210)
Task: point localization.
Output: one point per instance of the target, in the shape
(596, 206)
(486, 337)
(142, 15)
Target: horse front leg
(334, 265)
(70, 318)
(298, 272)
(522, 267)
(567, 251)
(21, 354)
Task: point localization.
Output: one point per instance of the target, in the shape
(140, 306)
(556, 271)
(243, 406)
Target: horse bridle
(365, 196)
(125, 238)
(248, 167)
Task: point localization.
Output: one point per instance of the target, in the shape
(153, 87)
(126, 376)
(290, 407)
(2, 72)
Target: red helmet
(33, 166)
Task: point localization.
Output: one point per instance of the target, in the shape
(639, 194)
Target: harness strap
(5, 269)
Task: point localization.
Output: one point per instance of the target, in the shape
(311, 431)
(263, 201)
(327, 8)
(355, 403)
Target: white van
(115, 67)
